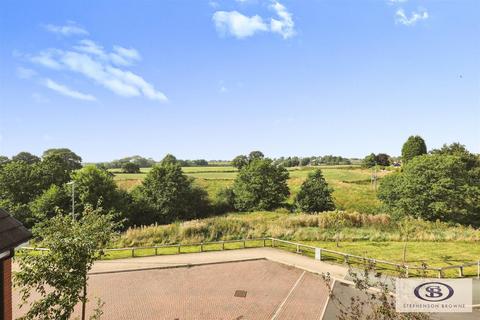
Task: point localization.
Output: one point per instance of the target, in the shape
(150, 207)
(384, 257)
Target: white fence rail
(300, 248)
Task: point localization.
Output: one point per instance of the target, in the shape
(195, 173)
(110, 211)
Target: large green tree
(71, 159)
(315, 195)
(96, 187)
(260, 185)
(431, 187)
(413, 147)
(60, 275)
(166, 195)
(26, 157)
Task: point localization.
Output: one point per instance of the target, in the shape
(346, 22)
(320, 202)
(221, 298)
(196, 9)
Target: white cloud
(91, 61)
(285, 25)
(71, 28)
(25, 73)
(396, 1)
(66, 91)
(237, 24)
(241, 26)
(401, 17)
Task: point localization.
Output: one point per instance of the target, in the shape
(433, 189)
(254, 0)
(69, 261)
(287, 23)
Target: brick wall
(7, 289)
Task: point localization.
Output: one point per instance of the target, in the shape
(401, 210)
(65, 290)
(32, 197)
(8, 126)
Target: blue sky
(213, 79)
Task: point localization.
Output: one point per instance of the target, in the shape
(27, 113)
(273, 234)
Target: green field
(352, 188)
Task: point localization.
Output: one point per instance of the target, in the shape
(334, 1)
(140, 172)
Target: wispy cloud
(66, 91)
(25, 73)
(242, 26)
(396, 1)
(70, 29)
(92, 61)
(401, 17)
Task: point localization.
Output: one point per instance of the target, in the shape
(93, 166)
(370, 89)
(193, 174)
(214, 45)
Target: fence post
(346, 258)
(374, 263)
(440, 273)
(273, 242)
(201, 247)
(244, 243)
(406, 271)
(460, 271)
(223, 245)
(478, 269)
(264, 246)
(156, 250)
(318, 254)
(178, 251)
(133, 252)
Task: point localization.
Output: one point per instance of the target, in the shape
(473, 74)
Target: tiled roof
(12, 232)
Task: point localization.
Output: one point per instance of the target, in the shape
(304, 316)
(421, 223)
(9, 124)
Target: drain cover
(240, 293)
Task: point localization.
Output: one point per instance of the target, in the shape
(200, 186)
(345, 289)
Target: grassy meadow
(373, 236)
(352, 186)
(364, 230)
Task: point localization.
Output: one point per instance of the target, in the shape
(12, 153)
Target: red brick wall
(7, 289)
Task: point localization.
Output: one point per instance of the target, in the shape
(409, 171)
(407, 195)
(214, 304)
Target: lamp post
(72, 183)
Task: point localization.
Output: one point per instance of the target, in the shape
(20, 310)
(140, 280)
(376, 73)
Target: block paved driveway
(273, 291)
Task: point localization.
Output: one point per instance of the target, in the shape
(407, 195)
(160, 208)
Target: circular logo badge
(433, 291)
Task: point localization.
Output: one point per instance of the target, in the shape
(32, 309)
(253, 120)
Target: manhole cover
(240, 293)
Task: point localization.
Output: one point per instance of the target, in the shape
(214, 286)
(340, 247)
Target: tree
(369, 161)
(305, 161)
(70, 158)
(26, 157)
(260, 186)
(60, 274)
(3, 161)
(434, 187)
(382, 159)
(130, 167)
(19, 184)
(51, 202)
(169, 159)
(166, 195)
(54, 169)
(240, 161)
(457, 149)
(254, 155)
(315, 194)
(96, 187)
(413, 147)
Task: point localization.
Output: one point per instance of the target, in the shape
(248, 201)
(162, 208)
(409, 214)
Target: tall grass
(348, 226)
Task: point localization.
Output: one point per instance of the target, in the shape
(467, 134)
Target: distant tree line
(126, 163)
(36, 189)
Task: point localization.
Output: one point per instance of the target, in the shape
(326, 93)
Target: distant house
(12, 234)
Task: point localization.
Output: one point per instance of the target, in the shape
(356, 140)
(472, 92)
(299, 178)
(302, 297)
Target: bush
(260, 185)
(314, 194)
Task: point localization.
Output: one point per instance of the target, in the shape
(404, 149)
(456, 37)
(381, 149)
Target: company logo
(433, 295)
(434, 291)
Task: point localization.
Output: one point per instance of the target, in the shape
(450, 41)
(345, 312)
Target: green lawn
(432, 254)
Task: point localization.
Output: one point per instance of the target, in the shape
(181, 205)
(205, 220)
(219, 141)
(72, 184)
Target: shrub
(315, 195)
